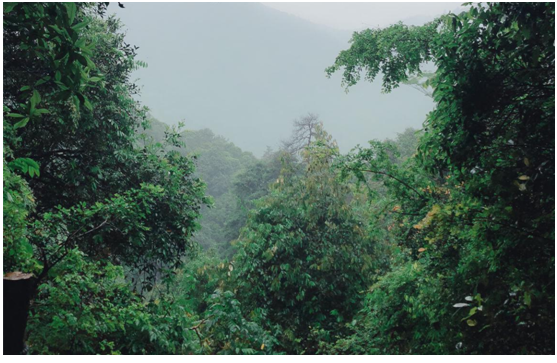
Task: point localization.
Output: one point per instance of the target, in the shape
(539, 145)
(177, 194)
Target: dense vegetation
(218, 164)
(441, 241)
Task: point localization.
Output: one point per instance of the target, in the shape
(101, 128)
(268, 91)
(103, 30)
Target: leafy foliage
(18, 203)
(87, 308)
(440, 241)
(303, 256)
(489, 228)
(218, 162)
(96, 217)
(397, 52)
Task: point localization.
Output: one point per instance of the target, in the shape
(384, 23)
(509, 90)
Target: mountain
(246, 71)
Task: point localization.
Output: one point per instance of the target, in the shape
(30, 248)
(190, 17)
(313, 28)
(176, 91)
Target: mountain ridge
(247, 69)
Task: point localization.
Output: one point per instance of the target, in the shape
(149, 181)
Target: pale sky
(357, 16)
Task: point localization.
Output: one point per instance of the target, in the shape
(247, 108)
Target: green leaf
(9, 7)
(80, 43)
(40, 111)
(81, 25)
(76, 102)
(15, 115)
(25, 165)
(71, 9)
(87, 104)
(35, 99)
(471, 322)
(42, 80)
(21, 123)
(56, 29)
(528, 299)
(90, 63)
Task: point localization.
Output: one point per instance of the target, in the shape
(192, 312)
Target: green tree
(89, 202)
(218, 162)
(303, 256)
(89, 164)
(488, 148)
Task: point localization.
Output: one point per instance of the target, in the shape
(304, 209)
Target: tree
(488, 149)
(251, 184)
(398, 52)
(407, 143)
(303, 256)
(84, 192)
(303, 134)
(218, 163)
(88, 160)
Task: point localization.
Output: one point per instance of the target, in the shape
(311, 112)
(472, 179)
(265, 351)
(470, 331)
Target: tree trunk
(17, 294)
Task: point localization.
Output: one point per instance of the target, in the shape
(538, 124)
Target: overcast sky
(357, 16)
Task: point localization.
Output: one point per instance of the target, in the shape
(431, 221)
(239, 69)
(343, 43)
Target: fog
(358, 16)
(247, 70)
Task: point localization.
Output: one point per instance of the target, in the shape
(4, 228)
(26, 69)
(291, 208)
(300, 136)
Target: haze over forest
(246, 71)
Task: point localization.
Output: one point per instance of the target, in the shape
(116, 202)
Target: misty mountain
(218, 161)
(246, 71)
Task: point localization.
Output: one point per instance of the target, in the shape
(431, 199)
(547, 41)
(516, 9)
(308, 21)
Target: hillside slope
(218, 161)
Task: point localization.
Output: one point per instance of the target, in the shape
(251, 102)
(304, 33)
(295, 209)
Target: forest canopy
(126, 236)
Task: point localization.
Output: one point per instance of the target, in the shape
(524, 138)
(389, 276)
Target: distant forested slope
(218, 161)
